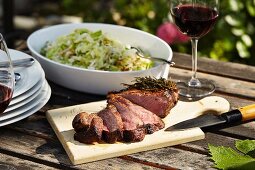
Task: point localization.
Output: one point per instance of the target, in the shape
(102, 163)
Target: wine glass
(195, 18)
(7, 79)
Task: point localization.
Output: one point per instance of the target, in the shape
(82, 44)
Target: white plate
(26, 100)
(25, 107)
(29, 75)
(27, 94)
(43, 98)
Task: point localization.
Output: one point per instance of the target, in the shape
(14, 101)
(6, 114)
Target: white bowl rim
(91, 70)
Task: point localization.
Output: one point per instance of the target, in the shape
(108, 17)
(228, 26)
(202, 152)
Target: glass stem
(194, 82)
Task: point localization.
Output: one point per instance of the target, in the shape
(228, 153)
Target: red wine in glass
(6, 76)
(194, 20)
(5, 97)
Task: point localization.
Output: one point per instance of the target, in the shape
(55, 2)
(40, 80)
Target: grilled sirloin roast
(130, 114)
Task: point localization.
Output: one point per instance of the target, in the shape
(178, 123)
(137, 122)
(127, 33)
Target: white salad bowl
(96, 81)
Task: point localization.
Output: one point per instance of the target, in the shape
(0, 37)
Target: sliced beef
(133, 127)
(88, 127)
(130, 114)
(81, 121)
(159, 102)
(135, 135)
(151, 121)
(113, 124)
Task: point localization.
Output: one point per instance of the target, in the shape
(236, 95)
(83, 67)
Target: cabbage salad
(94, 50)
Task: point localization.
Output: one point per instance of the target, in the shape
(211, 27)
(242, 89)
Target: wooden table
(32, 144)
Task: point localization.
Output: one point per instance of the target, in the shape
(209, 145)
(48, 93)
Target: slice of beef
(113, 123)
(135, 135)
(88, 127)
(151, 121)
(159, 102)
(133, 129)
(81, 121)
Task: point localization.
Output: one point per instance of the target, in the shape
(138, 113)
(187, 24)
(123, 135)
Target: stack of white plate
(31, 92)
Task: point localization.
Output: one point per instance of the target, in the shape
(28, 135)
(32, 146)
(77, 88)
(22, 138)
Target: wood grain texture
(223, 85)
(51, 153)
(8, 162)
(195, 156)
(224, 69)
(201, 146)
(176, 158)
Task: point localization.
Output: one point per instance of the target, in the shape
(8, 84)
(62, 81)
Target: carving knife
(239, 115)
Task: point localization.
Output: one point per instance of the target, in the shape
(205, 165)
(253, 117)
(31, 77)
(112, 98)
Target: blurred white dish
(27, 94)
(26, 100)
(29, 75)
(29, 108)
(95, 81)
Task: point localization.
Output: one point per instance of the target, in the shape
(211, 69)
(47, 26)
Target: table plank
(240, 88)
(211, 138)
(225, 69)
(244, 131)
(50, 152)
(177, 158)
(8, 162)
(189, 160)
(235, 102)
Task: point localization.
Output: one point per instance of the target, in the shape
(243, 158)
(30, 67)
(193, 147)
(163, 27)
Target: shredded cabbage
(94, 50)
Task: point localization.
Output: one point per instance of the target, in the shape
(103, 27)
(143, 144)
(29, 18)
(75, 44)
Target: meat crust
(159, 102)
(132, 124)
(113, 124)
(92, 132)
(151, 122)
(82, 121)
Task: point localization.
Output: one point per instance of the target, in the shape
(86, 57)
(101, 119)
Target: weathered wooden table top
(32, 144)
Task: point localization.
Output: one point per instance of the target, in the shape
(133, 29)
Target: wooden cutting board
(61, 122)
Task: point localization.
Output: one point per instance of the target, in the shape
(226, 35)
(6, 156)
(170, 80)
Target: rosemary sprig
(152, 84)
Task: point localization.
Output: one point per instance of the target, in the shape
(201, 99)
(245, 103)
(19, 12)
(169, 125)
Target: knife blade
(241, 114)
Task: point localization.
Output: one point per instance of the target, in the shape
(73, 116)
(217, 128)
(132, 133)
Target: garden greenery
(232, 38)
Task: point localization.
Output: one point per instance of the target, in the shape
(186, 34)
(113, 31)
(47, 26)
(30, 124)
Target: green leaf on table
(228, 158)
(246, 146)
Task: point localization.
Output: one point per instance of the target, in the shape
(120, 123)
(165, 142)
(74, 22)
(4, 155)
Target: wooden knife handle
(248, 112)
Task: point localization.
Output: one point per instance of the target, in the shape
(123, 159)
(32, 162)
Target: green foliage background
(232, 38)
